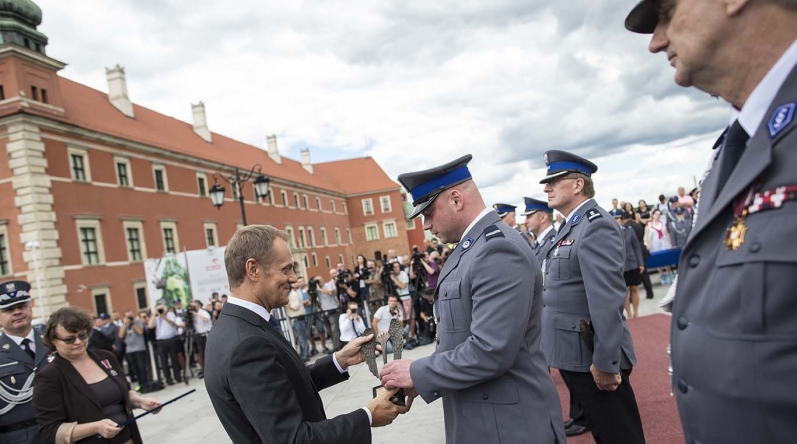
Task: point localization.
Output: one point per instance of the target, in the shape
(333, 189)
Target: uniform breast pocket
(13, 374)
(560, 263)
(450, 308)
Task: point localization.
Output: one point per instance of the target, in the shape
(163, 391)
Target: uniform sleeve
(501, 306)
(601, 257)
(637, 251)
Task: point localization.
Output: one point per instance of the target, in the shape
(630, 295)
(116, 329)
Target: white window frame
(291, 239)
(387, 223)
(315, 259)
(337, 236)
(328, 262)
(375, 226)
(137, 286)
(368, 203)
(4, 232)
(318, 203)
(348, 236)
(341, 261)
(332, 205)
(324, 237)
(116, 161)
(204, 177)
(95, 224)
(142, 244)
(345, 208)
(410, 224)
(311, 236)
(302, 238)
(389, 208)
(305, 202)
(162, 168)
(104, 289)
(86, 168)
(284, 196)
(173, 226)
(210, 226)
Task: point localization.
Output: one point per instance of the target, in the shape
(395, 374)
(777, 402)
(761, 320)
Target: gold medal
(735, 236)
(13, 380)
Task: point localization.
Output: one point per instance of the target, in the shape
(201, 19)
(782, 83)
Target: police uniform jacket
(633, 252)
(584, 281)
(488, 367)
(734, 333)
(15, 368)
(540, 246)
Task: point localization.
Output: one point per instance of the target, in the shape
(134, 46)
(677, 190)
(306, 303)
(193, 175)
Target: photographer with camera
(401, 283)
(168, 342)
(328, 299)
(315, 313)
(351, 324)
(348, 287)
(298, 315)
(202, 324)
(384, 314)
(132, 331)
(424, 273)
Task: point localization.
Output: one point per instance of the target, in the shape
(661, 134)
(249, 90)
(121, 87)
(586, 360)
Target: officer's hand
(383, 412)
(351, 354)
(641, 269)
(396, 374)
(605, 381)
(107, 428)
(411, 393)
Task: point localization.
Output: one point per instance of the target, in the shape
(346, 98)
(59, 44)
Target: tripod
(316, 313)
(188, 351)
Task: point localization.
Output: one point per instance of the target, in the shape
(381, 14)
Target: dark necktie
(735, 143)
(26, 348)
(354, 328)
(562, 226)
(272, 321)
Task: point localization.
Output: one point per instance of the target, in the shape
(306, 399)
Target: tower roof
(23, 11)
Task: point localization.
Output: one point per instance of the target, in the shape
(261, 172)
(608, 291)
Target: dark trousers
(171, 348)
(137, 364)
(199, 347)
(577, 413)
(612, 417)
(646, 283)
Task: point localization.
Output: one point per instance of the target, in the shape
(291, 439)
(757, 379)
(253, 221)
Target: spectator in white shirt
(202, 326)
(384, 314)
(167, 324)
(351, 324)
(328, 298)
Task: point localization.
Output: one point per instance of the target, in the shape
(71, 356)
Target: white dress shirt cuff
(335, 360)
(370, 418)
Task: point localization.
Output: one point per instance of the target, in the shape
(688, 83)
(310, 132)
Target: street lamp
(237, 180)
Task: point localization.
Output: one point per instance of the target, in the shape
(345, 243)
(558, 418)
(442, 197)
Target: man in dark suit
(259, 386)
(21, 351)
(734, 332)
(487, 368)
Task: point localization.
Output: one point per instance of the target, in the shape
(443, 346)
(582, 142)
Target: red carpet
(650, 381)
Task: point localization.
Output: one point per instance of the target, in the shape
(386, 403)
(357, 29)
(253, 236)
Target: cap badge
(545, 158)
(781, 118)
(467, 243)
(4, 297)
(10, 287)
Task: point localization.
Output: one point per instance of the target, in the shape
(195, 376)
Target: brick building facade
(93, 184)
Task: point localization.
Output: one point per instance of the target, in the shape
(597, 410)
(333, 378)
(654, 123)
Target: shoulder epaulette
(593, 214)
(492, 231)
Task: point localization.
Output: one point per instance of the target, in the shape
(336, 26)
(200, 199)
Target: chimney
(306, 161)
(201, 122)
(117, 90)
(273, 151)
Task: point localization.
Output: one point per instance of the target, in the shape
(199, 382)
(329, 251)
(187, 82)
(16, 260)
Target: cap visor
(553, 176)
(16, 301)
(422, 206)
(643, 18)
(528, 213)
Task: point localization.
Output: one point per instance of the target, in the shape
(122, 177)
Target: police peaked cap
(560, 163)
(426, 185)
(534, 205)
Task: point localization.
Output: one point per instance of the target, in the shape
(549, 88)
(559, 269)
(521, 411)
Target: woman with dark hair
(628, 207)
(83, 394)
(643, 213)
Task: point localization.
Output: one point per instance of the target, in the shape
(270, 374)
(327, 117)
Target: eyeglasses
(71, 340)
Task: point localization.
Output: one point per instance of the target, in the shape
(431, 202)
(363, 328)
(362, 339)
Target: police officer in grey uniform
(539, 222)
(734, 332)
(22, 352)
(584, 333)
(487, 367)
(508, 215)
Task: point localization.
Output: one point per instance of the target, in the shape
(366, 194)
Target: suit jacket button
(683, 323)
(614, 362)
(485, 397)
(755, 248)
(694, 261)
(436, 394)
(573, 326)
(438, 341)
(682, 387)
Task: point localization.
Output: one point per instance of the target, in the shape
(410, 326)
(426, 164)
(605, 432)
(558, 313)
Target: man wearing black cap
(21, 352)
(508, 216)
(584, 333)
(487, 367)
(735, 294)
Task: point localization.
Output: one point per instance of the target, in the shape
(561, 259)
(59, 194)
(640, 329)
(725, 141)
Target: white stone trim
(368, 207)
(375, 227)
(98, 290)
(85, 222)
(73, 151)
(173, 226)
(389, 208)
(210, 226)
(160, 167)
(126, 224)
(116, 161)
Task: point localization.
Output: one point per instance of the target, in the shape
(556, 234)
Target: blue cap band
(505, 209)
(440, 182)
(538, 207)
(568, 166)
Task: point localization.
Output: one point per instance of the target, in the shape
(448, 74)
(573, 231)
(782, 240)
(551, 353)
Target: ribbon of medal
(753, 203)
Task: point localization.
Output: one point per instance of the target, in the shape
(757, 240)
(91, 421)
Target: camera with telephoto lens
(188, 320)
(344, 276)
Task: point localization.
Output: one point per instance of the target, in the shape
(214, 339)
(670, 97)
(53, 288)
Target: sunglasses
(71, 340)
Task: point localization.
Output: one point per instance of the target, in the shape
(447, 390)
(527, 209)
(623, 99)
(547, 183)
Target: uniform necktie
(272, 321)
(735, 143)
(562, 226)
(26, 348)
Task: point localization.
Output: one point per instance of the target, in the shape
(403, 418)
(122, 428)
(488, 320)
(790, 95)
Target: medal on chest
(734, 238)
(107, 365)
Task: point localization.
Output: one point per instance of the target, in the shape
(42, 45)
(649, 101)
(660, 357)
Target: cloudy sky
(412, 83)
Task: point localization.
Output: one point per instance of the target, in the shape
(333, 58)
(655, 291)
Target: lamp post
(33, 247)
(237, 180)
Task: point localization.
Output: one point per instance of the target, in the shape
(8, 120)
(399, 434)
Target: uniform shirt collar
(484, 212)
(258, 309)
(754, 110)
(19, 339)
(544, 232)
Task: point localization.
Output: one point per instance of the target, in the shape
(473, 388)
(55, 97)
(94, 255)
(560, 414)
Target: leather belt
(18, 426)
